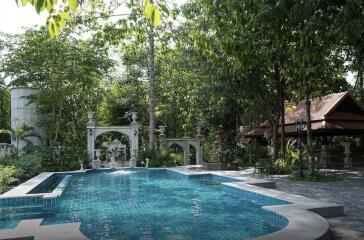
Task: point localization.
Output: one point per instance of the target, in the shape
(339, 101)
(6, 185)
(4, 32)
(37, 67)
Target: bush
(281, 166)
(8, 176)
(28, 163)
(68, 159)
(161, 158)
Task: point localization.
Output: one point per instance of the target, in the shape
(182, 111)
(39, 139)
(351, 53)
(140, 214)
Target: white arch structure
(94, 131)
(185, 143)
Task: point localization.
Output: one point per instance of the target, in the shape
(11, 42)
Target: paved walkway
(349, 192)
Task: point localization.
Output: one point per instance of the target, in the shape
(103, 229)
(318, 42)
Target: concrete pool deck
(301, 213)
(349, 192)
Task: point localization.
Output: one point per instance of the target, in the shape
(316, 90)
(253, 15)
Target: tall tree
(151, 73)
(67, 88)
(152, 12)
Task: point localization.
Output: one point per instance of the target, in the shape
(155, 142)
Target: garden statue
(96, 163)
(112, 158)
(81, 165)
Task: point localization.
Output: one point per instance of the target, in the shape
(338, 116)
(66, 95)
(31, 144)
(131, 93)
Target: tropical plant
(159, 158)
(8, 176)
(67, 89)
(293, 154)
(68, 159)
(23, 133)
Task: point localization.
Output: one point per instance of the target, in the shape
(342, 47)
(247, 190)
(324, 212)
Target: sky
(14, 19)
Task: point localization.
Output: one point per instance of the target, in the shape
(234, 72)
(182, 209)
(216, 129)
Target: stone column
(347, 152)
(199, 149)
(91, 136)
(186, 153)
(134, 140)
(199, 154)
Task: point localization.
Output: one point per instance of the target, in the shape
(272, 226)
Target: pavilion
(333, 115)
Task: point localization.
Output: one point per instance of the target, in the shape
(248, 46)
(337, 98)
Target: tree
(58, 17)
(317, 60)
(67, 88)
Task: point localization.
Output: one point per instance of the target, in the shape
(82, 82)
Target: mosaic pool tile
(155, 204)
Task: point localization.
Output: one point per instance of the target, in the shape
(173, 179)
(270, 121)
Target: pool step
(46, 202)
(22, 212)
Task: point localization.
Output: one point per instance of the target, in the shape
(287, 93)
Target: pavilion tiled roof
(331, 113)
(320, 107)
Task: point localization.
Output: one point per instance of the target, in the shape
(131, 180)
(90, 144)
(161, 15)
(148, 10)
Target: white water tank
(25, 113)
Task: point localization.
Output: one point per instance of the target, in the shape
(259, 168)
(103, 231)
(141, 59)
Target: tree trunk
(360, 85)
(283, 141)
(275, 140)
(152, 94)
(281, 93)
(274, 144)
(309, 130)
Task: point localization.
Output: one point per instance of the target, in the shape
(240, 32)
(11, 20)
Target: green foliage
(68, 159)
(70, 86)
(8, 176)
(292, 153)
(281, 166)
(229, 63)
(152, 13)
(4, 111)
(57, 17)
(28, 163)
(160, 158)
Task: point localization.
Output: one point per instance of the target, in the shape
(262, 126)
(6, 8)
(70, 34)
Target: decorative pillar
(199, 149)
(347, 152)
(134, 140)
(186, 153)
(91, 136)
(199, 154)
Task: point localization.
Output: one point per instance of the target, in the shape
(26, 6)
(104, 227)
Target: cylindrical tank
(24, 113)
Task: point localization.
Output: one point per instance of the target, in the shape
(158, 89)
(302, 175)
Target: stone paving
(349, 192)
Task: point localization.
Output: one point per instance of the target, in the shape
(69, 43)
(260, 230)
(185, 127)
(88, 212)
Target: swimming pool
(154, 204)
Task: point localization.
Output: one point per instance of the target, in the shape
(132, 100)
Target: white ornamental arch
(94, 131)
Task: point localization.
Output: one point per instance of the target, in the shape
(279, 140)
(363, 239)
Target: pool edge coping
(311, 212)
(305, 215)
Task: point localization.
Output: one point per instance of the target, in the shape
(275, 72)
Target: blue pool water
(154, 205)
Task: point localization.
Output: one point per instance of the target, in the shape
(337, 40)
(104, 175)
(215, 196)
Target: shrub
(280, 166)
(68, 159)
(162, 158)
(8, 176)
(29, 162)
